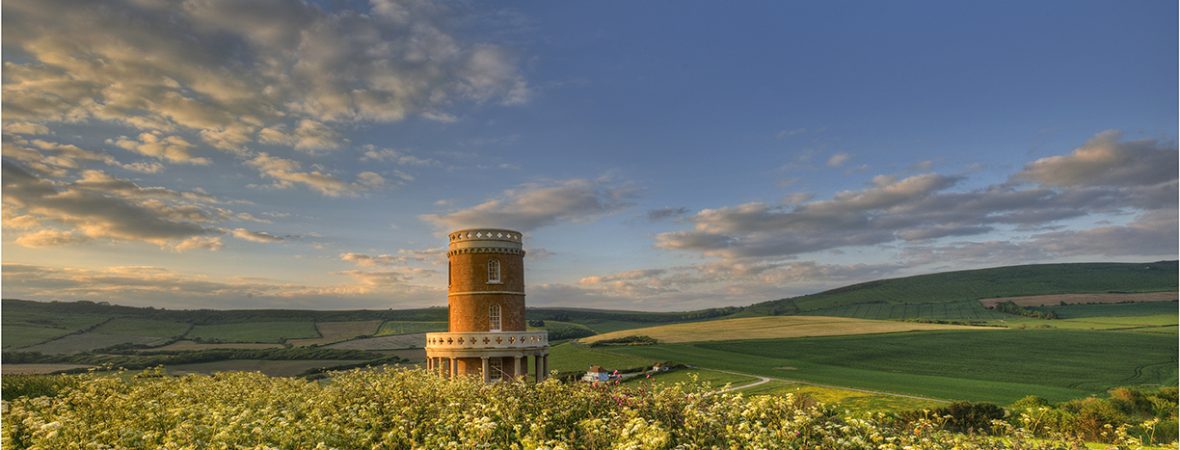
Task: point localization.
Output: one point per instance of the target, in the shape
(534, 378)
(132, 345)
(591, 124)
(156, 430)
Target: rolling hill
(956, 295)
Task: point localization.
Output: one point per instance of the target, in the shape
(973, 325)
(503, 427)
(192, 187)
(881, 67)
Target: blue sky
(660, 155)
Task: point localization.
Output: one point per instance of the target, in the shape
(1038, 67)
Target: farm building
(596, 374)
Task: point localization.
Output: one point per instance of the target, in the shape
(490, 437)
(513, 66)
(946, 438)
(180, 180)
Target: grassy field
(254, 332)
(999, 366)
(272, 368)
(190, 345)
(772, 327)
(114, 332)
(1153, 317)
(339, 331)
(576, 357)
(393, 327)
(958, 310)
(391, 342)
(972, 285)
(711, 377)
(846, 399)
(22, 326)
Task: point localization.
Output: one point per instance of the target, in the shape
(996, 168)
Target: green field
(254, 332)
(143, 327)
(999, 366)
(23, 325)
(772, 327)
(710, 377)
(568, 356)
(406, 327)
(331, 332)
(958, 310)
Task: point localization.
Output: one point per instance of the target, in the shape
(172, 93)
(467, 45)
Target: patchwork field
(392, 327)
(276, 332)
(331, 332)
(1059, 299)
(190, 345)
(395, 342)
(999, 366)
(771, 328)
(22, 328)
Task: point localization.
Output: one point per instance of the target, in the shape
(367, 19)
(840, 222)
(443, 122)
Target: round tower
(487, 334)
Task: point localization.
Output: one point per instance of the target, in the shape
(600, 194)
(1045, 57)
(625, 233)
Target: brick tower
(487, 334)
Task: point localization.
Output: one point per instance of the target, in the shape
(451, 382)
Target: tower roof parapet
(486, 238)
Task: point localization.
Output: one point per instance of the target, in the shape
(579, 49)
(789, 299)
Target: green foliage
(1010, 307)
(626, 340)
(561, 331)
(968, 417)
(412, 409)
(14, 386)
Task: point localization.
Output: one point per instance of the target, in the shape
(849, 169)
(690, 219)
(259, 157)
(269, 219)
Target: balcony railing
(496, 340)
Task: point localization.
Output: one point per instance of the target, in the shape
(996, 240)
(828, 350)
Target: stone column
(516, 367)
(454, 370)
(486, 376)
(545, 364)
(429, 363)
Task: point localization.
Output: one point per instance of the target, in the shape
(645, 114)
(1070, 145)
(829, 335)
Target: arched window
(494, 318)
(494, 272)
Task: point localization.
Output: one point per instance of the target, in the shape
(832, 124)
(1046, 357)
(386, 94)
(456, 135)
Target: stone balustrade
(502, 340)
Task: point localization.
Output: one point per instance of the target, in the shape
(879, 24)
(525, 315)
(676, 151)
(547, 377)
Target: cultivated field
(998, 366)
(190, 345)
(400, 341)
(772, 327)
(1060, 299)
(960, 310)
(392, 327)
(254, 331)
(77, 343)
(331, 332)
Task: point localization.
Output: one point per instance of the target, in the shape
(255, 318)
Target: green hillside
(956, 295)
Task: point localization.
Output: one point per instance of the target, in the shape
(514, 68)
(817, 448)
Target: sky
(664, 155)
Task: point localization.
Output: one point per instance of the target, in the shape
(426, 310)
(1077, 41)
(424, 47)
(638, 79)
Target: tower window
(494, 272)
(494, 318)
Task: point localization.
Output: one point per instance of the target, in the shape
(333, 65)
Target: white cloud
(49, 238)
(255, 236)
(535, 205)
(287, 173)
(838, 159)
(227, 69)
(168, 148)
(1102, 177)
(1107, 160)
